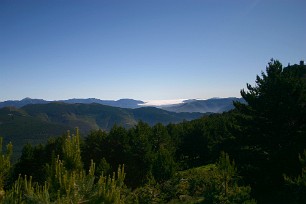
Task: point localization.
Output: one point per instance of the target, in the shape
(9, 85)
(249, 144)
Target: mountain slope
(36, 123)
(84, 116)
(97, 116)
(152, 115)
(213, 105)
(121, 103)
(20, 128)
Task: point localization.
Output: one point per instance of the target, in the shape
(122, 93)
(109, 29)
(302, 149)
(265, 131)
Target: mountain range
(122, 103)
(213, 105)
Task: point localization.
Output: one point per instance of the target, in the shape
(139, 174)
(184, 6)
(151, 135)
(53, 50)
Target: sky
(145, 49)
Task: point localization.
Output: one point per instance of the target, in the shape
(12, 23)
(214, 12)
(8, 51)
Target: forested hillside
(255, 153)
(36, 123)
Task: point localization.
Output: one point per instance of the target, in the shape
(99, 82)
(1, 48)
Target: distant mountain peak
(189, 100)
(26, 99)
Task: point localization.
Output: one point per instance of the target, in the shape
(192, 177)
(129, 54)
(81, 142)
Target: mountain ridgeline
(121, 103)
(212, 105)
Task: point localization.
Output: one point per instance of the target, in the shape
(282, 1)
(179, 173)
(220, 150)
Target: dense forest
(255, 153)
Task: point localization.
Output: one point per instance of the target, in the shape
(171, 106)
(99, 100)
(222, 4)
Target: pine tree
(271, 127)
(5, 165)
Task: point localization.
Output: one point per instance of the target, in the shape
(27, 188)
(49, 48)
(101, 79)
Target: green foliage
(149, 193)
(141, 155)
(297, 186)
(72, 152)
(67, 182)
(213, 183)
(271, 128)
(32, 163)
(160, 138)
(227, 171)
(200, 141)
(5, 165)
(163, 166)
(95, 147)
(104, 167)
(225, 184)
(24, 191)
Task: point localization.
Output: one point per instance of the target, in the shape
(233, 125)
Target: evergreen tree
(32, 163)
(139, 163)
(163, 165)
(272, 127)
(95, 147)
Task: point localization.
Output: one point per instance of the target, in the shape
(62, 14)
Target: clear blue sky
(146, 49)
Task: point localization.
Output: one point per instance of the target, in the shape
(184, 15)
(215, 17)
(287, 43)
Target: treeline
(254, 153)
